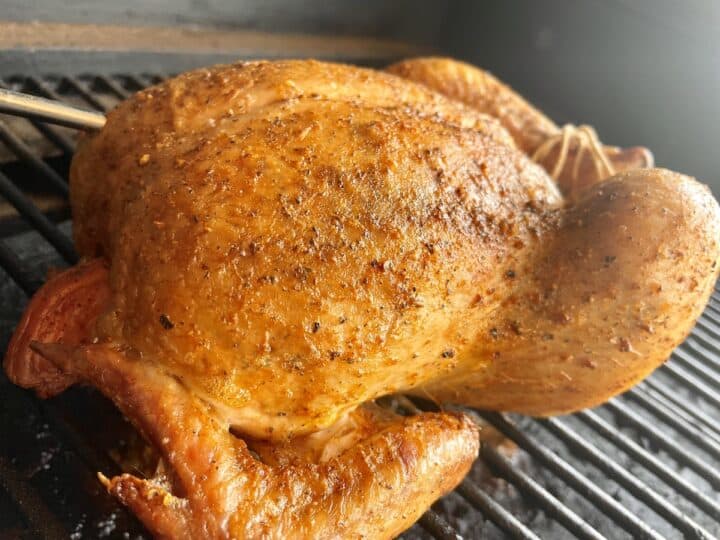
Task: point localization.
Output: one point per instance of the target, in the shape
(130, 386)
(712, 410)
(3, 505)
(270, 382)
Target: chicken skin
(273, 244)
(572, 155)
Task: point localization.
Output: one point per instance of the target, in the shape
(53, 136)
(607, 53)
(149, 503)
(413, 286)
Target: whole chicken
(271, 245)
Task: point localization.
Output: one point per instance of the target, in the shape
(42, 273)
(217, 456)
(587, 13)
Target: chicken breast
(305, 246)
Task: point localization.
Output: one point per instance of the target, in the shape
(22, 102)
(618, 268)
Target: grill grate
(644, 465)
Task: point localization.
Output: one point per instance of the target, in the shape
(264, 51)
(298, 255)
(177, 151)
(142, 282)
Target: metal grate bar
(137, 83)
(686, 360)
(712, 321)
(152, 78)
(647, 460)
(60, 140)
(436, 525)
(660, 438)
(663, 396)
(566, 472)
(638, 488)
(711, 326)
(64, 143)
(676, 418)
(712, 310)
(40, 518)
(111, 85)
(693, 382)
(552, 506)
(14, 268)
(699, 345)
(650, 462)
(707, 334)
(40, 87)
(25, 154)
(715, 296)
(705, 344)
(84, 92)
(501, 517)
(30, 212)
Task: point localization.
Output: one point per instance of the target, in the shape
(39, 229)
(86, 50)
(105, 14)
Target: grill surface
(644, 465)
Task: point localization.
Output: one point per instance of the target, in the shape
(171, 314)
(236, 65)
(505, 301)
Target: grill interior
(644, 465)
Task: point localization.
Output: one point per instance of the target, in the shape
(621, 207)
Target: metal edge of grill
(644, 465)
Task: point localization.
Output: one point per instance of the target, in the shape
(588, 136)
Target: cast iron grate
(644, 465)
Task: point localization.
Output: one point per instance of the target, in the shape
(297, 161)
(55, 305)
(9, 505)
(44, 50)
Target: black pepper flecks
(315, 327)
(448, 353)
(166, 323)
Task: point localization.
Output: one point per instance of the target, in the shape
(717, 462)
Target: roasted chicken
(270, 245)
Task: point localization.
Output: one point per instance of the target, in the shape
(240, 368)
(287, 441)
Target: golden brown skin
(289, 240)
(64, 311)
(603, 304)
(309, 251)
(480, 90)
(529, 127)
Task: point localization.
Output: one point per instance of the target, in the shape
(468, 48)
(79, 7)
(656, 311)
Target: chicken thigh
(277, 243)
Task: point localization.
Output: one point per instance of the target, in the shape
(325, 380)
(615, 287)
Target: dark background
(643, 71)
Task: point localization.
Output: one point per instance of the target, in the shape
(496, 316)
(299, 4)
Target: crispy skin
(480, 90)
(316, 242)
(376, 488)
(529, 127)
(182, 115)
(63, 311)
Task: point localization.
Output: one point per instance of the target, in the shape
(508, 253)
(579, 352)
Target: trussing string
(587, 141)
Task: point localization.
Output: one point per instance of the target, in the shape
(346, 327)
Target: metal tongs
(48, 110)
